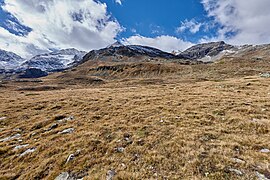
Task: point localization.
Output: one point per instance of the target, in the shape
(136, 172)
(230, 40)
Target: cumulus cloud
(191, 25)
(119, 2)
(82, 24)
(165, 43)
(240, 21)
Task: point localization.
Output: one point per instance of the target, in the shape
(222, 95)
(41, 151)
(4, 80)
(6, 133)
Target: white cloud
(83, 24)
(193, 26)
(119, 2)
(241, 21)
(165, 43)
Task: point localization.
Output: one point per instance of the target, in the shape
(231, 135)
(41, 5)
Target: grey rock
(70, 158)
(3, 118)
(53, 126)
(67, 131)
(28, 151)
(238, 160)
(120, 149)
(236, 171)
(110, 174)
(63, 176)
(70, 118)
(265, 75)
(20, 146)
(261, 176)
(15, 136)
(67, 176)
(265, 151)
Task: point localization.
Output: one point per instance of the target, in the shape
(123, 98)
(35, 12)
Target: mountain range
(41, 65)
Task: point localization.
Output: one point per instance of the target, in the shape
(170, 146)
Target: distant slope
(130, 53)
(9, 61)
(55, 61)
(207, 50)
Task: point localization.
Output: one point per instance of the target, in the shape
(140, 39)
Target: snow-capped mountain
(10, 61)
(207, 51)
(120, 52)
(116, 44)
(55, 61)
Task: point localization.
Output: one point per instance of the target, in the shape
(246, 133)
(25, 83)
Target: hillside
(187, 130)
(135, 118)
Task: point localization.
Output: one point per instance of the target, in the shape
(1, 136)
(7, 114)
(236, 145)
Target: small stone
(70, 118)
(265, 75)
(140, 142)
(18, 130)
(63, 176)
(3, 118)
(135, 157)
(33, 134)
(265, 151)
(28, 151)
(53, 127)
(238, 160)
(236, 171)
(78, 152)
(110, 174)
(123, 166)
(64, 119)
(70, 158)
(15, 136)
(120, 149)
(67, 131)
(20, 146)
(261, 176)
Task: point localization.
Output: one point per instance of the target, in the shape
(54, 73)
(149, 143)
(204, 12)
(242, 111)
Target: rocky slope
(118, 52)
(55, 61)
(207, 50)
(119, 55)
(9, 61)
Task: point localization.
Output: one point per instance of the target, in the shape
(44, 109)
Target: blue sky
(157, 17)
(30, 27)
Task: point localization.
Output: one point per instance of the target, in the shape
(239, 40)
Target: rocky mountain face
(9, 61)
(43, 64)
(118, 52)
(40, 65)
(55, 61)
(205, 50)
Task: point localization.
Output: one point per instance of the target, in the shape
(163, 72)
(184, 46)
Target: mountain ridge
(119, 53)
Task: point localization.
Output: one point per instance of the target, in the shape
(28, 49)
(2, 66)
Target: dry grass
(166, 129)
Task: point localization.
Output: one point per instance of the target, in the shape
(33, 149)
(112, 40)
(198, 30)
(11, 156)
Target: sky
(30, 27)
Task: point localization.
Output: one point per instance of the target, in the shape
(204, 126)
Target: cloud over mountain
(240, 21)
(82, 24)
(165, 43)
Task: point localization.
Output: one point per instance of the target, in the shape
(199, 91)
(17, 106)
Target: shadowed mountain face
(120, 53)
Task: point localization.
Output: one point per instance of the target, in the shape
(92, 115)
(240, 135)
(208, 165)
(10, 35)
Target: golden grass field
(173, 127)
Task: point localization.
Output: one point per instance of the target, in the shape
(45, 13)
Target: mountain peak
(116, 44)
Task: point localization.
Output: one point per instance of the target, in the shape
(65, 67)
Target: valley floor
(200, 130)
